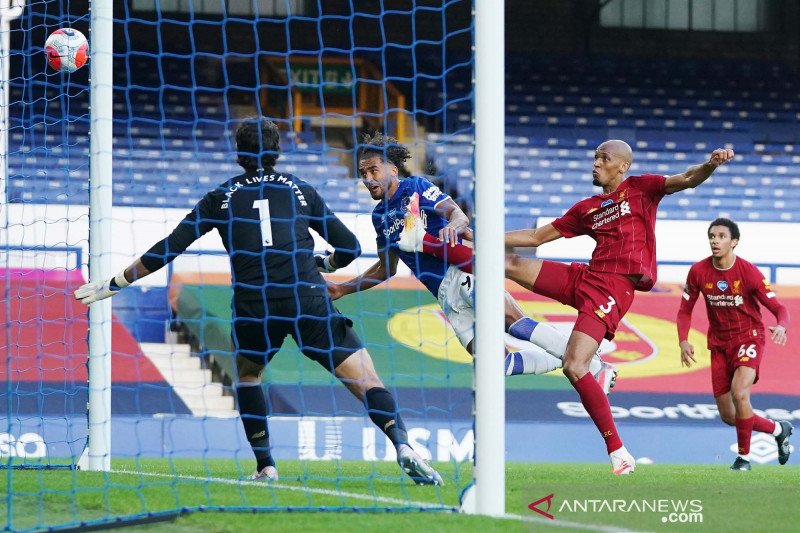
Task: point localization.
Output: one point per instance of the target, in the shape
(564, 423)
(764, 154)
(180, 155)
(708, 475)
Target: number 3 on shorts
(747, 351)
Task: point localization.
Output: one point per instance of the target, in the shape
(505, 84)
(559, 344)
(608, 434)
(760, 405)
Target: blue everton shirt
(388, 219)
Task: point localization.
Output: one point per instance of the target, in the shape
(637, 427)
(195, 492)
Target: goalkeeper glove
(100, 290)
(324, 264)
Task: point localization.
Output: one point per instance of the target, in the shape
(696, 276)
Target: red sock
(744, 428)
(458, 255)
(596, 403)
(763, 425)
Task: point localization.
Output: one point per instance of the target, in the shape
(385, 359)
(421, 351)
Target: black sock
(253, 411)
(382, 411)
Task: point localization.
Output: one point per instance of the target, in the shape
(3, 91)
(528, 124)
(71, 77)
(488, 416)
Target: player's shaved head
(612, 159)
(617, 148)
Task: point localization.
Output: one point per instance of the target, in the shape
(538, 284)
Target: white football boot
(622, 462)
(416, 467)
(268, 473)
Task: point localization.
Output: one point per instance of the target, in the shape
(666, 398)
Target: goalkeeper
(263, 218)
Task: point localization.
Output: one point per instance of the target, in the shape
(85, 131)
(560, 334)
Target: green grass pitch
(766, 499)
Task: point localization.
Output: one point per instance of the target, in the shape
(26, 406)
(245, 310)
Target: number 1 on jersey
(266, 223)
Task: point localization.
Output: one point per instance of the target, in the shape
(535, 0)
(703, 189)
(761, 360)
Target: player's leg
(455, 297)
(358, 374)
(721, 378)
(743, 379)
(781, 430)
(254, 348)
(746, 420)
(552, 280)
(580, 350)
(530, 360)
(727, 413)
(252, 404)
(326, 336)
(602, 299)
(349, 361)
(534, 359)
(523, 270)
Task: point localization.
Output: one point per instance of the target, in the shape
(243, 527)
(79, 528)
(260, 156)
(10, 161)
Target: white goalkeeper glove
(324, 264)
(100, 290)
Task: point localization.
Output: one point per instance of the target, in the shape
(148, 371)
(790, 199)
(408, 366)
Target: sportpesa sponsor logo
(398, 223)
(681, 411)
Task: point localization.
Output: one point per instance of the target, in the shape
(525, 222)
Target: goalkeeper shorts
(321, 332)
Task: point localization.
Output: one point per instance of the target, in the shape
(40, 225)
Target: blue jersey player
(380, 161)
(415, 200)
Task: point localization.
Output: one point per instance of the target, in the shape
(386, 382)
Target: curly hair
(728, 223)
(257, 136)
(387, 148)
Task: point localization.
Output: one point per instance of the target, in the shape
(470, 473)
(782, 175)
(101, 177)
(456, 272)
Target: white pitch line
(575, 525)
(326, 492)
(374, 498)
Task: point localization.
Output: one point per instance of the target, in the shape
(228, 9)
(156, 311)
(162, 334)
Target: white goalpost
(9, 10)
(489, 105)
(101, 92)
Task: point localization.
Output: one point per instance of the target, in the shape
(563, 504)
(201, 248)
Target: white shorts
(455, 299)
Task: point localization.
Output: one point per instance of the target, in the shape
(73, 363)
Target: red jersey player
(732, 289)
(622, 221)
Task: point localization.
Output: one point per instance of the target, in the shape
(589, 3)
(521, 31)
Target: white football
(67, 50)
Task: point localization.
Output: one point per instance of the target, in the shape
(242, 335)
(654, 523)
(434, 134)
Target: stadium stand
(557, 113)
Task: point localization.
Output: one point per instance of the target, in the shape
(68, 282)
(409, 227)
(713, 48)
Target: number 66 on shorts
(747, 351)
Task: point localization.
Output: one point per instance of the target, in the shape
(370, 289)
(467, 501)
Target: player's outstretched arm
(346, 247)
(529, 238)
(383, 269)
(191, 228)
(100, 290)
(457, 221)
(151, 261)
(697, 174)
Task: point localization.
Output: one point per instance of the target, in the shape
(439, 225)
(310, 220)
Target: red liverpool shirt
(732, 299)
(623, 224)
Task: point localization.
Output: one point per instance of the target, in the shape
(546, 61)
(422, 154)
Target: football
(67, 50)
